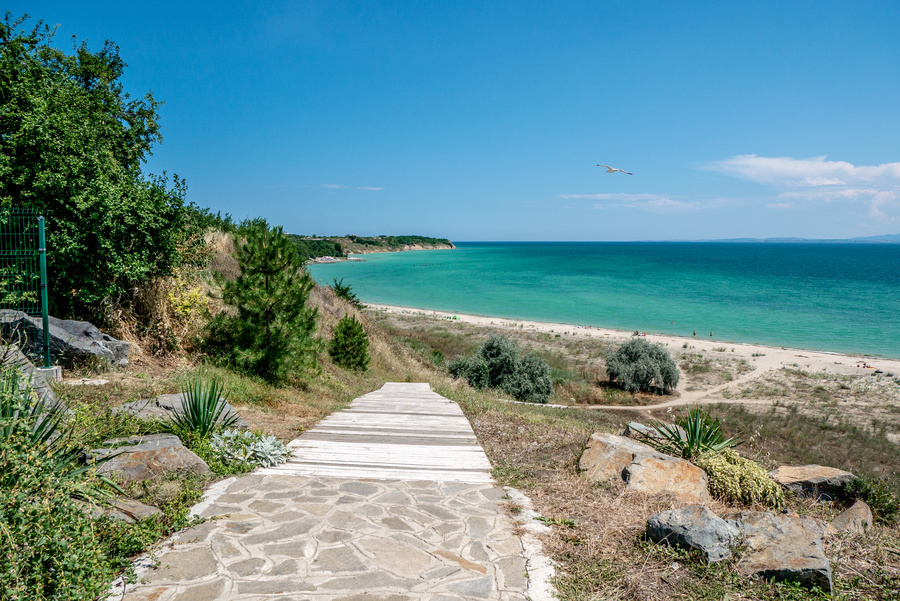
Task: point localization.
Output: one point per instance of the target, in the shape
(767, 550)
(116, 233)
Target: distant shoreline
(762, 356)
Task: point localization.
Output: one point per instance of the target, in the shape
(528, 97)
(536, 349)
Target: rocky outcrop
(11, 356)
(783, 548)
(643, 468)
(71, 342)
(147, 458)
(694, 527)
(856, 520)
(164, 407)
(127, 510)
(813, 480)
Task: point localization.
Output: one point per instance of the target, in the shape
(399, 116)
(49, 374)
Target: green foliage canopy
(271, 331)
(72, 143)
(640, 365)
(350, 346)
(498, 364)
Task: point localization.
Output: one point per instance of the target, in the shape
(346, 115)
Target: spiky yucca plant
(692, 434)
(202, 407)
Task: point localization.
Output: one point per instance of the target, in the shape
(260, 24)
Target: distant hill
(883, 239)
(312, 247)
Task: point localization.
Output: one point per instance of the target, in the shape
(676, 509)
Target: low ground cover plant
(739, 480)
(250, 448)
(498, 363)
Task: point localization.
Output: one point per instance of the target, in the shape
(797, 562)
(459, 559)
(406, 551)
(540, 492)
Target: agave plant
(202, 407)
(29, 423)
(692, 434)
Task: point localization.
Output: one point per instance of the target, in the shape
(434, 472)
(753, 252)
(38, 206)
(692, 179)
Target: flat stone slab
(147, 457)
(164, 407)
(813, 480)
(326, 539)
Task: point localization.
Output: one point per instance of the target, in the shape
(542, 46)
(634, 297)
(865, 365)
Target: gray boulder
(71, 341)
(856, 520)
(147, 458)
(816, 481)
(783, 548)
(12, 356)
(639, 431)
(694, 527)
(164, 407)
(643, 468)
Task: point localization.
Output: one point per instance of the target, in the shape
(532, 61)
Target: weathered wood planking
(399, 432)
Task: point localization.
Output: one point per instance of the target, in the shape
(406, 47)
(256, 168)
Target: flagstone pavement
(388, 500)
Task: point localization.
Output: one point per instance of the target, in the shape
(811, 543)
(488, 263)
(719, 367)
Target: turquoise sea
(833, 297)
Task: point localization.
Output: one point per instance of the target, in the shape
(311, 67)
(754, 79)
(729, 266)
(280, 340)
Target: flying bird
(614, 169)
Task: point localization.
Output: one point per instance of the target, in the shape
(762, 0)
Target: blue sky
(485, 120)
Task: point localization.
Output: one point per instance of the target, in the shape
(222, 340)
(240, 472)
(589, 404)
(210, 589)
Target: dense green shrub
(692, 434)
(739, 479)
(350, 346)
(498, 364)
(640, 365)
(531, 380)
(49, 549)
(271, 331)
(72, 145)
(883, 502)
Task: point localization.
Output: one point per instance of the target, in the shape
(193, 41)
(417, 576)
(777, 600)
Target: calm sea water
(832, 297)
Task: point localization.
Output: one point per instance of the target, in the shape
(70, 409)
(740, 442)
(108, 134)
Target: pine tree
(349, 347)
(272, 331)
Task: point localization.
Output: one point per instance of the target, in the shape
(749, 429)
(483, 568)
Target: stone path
(389, 500)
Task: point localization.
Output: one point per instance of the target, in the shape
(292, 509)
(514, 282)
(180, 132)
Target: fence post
(44, 308)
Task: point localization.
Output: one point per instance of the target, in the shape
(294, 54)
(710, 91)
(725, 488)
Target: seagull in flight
(614, 169)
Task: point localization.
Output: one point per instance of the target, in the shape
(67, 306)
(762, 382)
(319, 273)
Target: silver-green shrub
(640, 365)
(252, 448)
(739, 479)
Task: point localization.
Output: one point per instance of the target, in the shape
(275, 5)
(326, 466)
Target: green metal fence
(23, 266)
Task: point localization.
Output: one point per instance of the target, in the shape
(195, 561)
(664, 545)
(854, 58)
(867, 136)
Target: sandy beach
(764, 359)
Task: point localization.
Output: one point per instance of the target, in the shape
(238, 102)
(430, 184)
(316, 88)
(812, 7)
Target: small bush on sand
(739, 479)
(498, 364)
(640, 365)
(350, 346)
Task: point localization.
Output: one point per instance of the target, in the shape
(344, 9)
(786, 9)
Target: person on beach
(695, 333)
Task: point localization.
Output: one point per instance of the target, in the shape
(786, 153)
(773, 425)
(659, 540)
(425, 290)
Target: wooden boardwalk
(399, 432)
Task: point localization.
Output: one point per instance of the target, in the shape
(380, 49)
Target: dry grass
(603, 554)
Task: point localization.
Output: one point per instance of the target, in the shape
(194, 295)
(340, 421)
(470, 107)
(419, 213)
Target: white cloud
(780, 206)
(370, 188)
(817, 179)
(646, 202)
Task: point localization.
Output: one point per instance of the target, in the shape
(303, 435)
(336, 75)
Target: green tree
(640, 365)
(350, 346)
(72, 143)
(271, 331)
(344, 291)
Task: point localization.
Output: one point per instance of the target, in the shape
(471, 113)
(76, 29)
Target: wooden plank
(401, 431)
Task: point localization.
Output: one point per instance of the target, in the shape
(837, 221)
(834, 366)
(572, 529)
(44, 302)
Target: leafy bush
(640, 365)
(739, 479)
(498, 364)
(251, 448)
(49, 549)
(271, 332)
(878, 496)
(344, 291)
(349, 347)
(531, 380)
(692, 434)
(72, 145)
(26, 416)
(202, 408)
